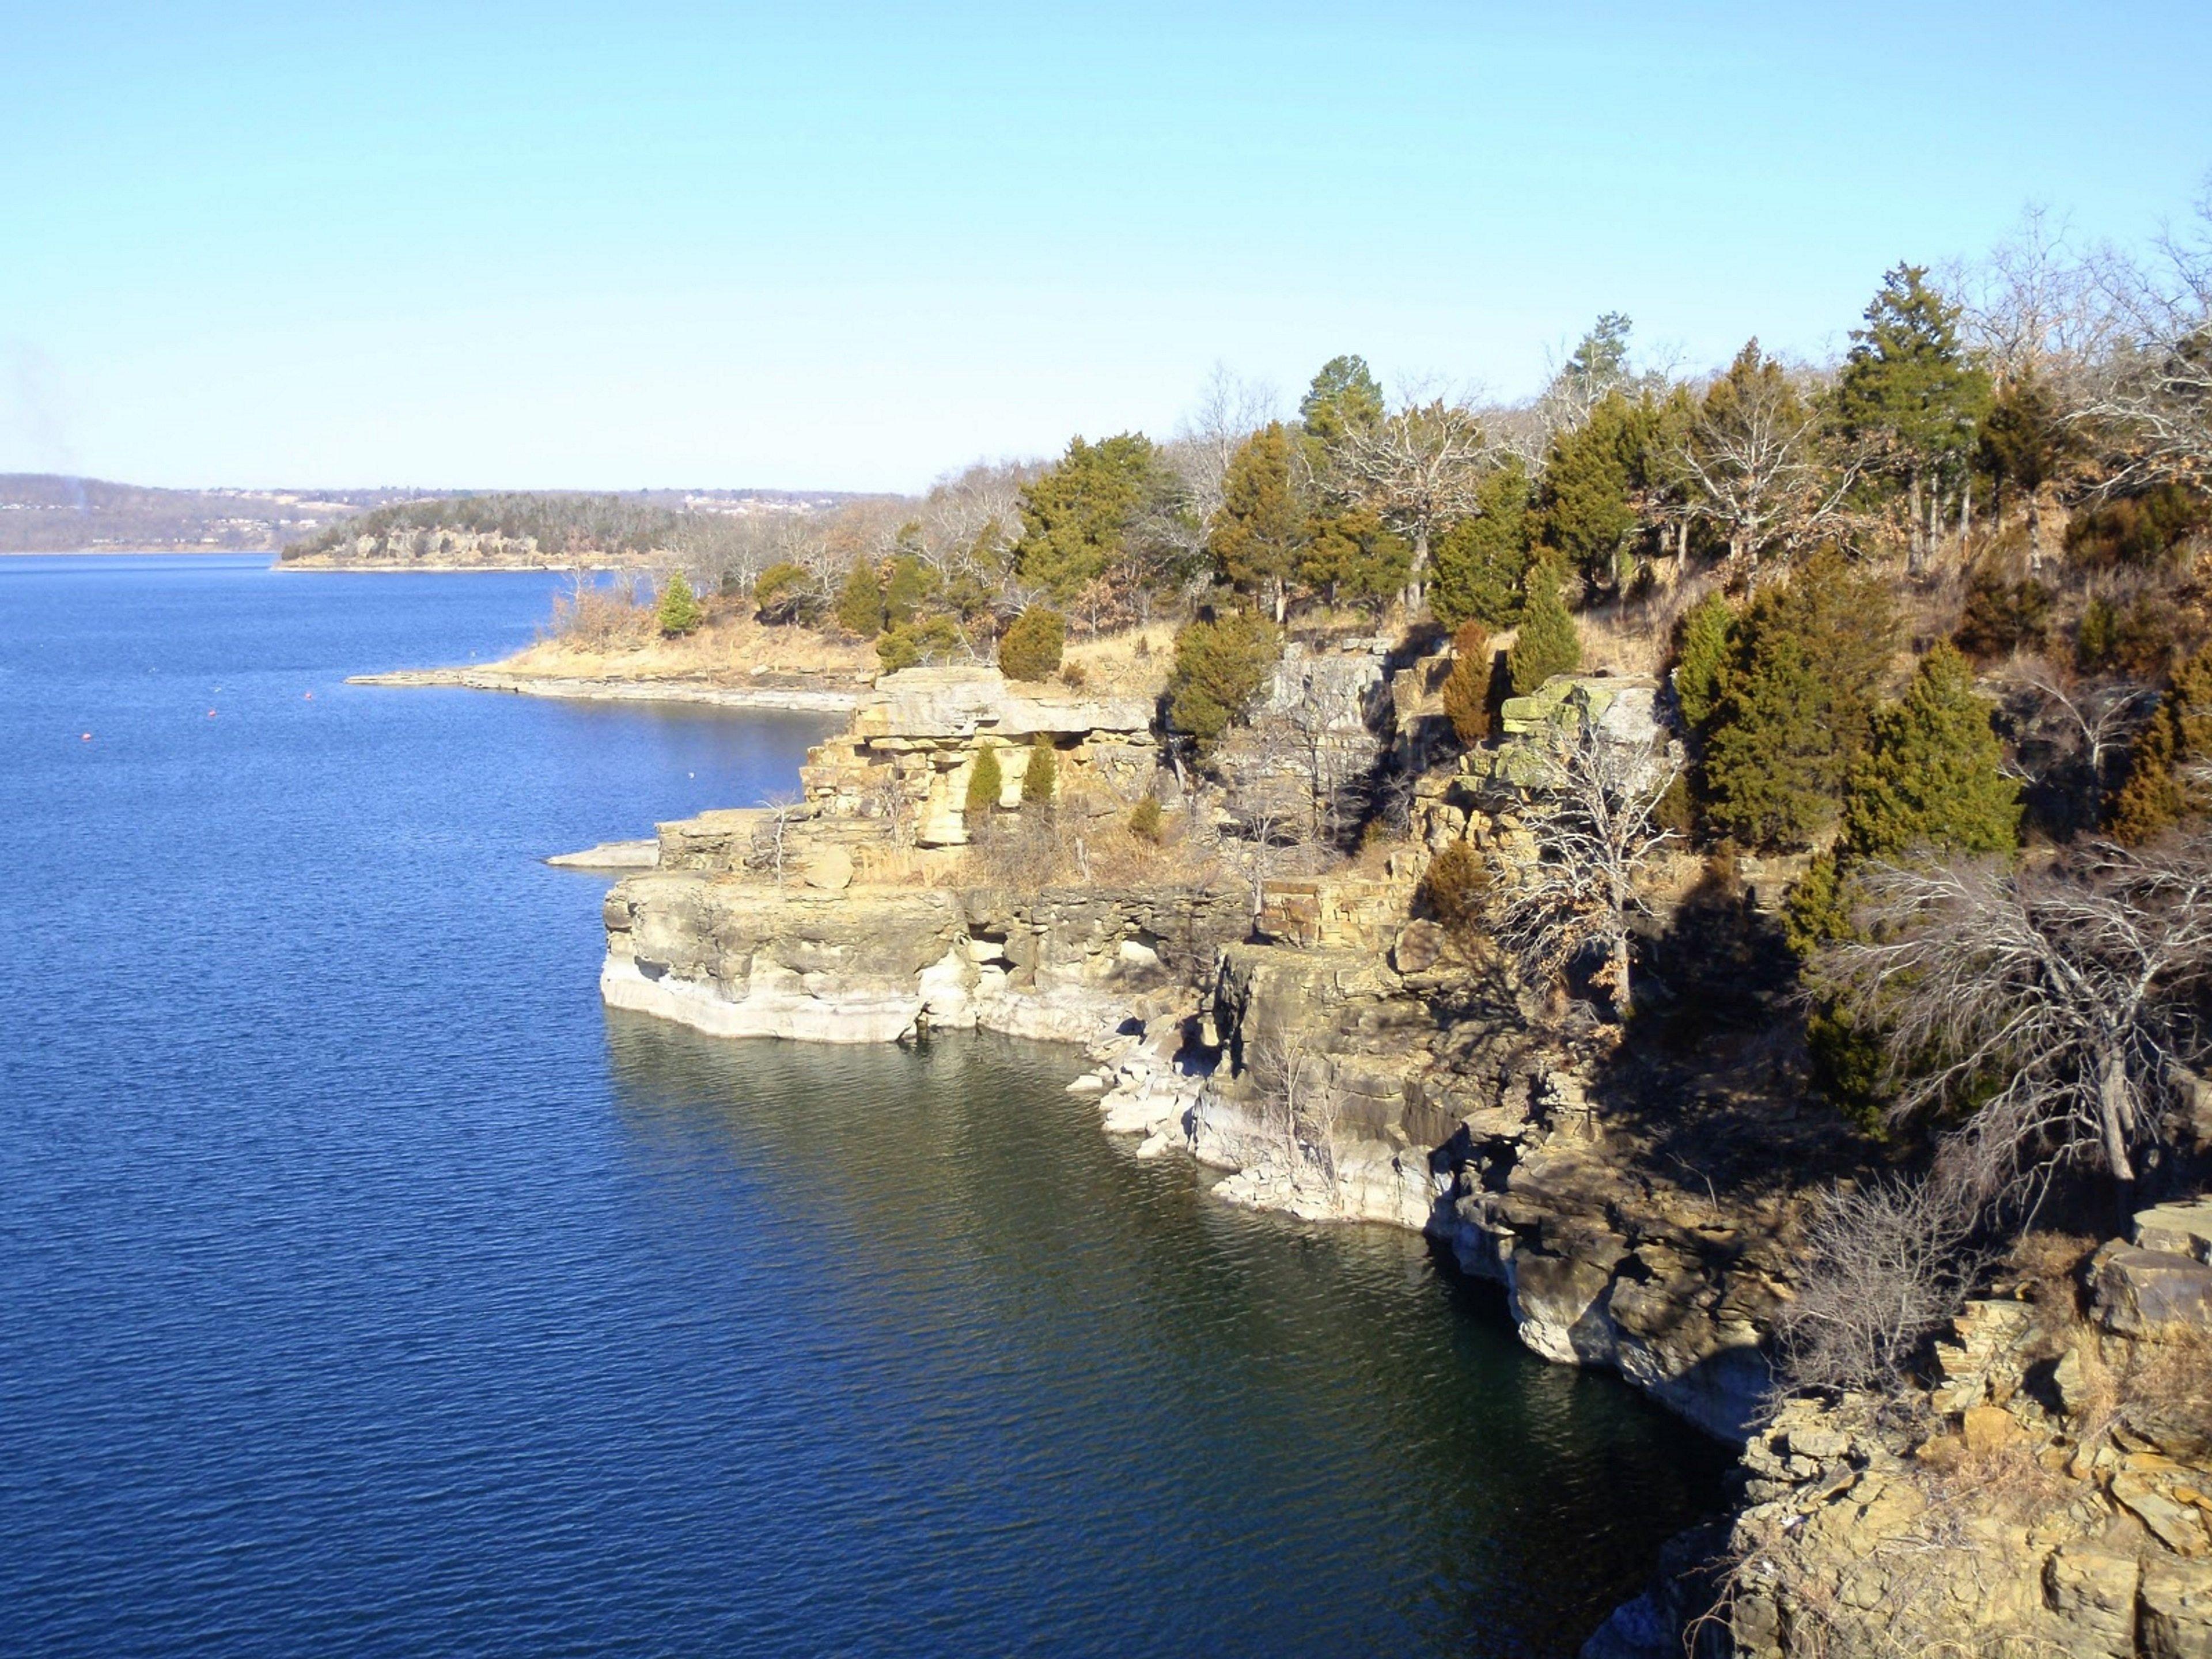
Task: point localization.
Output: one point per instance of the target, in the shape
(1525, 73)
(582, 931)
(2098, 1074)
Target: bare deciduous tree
(1757, 459)
(773, 842)
(2071, 733)
(1418, 469)
(2065, 989)
(1884, 1265)
(1591, 814)
(2154, 392)
(1231, 409)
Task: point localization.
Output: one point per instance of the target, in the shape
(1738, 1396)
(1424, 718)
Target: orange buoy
(87, 738)
(210, 714)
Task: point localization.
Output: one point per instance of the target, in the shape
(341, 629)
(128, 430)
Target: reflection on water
(1211, 1429)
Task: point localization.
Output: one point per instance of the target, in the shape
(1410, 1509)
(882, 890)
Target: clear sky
(852, 246)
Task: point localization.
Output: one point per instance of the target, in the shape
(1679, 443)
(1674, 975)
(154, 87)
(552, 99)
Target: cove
(370, 1289)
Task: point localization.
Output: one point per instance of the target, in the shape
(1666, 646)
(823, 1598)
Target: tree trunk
(2114, 1113)
(1623, 1003)
(1915, 556)
(1967, 508)
(2034, 533)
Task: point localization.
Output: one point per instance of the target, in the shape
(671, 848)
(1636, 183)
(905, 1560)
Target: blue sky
(852, 245)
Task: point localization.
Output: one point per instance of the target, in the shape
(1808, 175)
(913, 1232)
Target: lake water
(366, 1289)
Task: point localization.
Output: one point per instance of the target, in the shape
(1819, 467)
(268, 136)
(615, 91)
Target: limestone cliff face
(1330, 1055)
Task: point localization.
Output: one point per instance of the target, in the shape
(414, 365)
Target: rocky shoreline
(1337, 1055)
(789, 693)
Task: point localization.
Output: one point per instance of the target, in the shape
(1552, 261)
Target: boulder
(2138, 1290)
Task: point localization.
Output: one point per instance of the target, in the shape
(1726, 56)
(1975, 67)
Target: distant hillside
(52, 512)
(47, 513)
(540, 526)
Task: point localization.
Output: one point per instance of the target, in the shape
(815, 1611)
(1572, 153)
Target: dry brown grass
(1133, 664)
(605, 639)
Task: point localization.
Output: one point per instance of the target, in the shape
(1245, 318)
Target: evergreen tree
(1807, 662)
(1219, 667)
(1586, 511)
(1031, 646)
(1467, 688)
(1933, 772)
(1548, 643)
(907, 591)
(1259, 536)
(1703, 648)
(2024, 442)
(1043, 773)
(1909, 385)
(1351, 555)
(1083, 517)
(2160, 791)
(679, 612)
(1480, 565)
(861, 602)
(985, 782)
(1343, 397)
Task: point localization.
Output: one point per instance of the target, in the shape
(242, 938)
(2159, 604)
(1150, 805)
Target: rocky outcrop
(2049, 1494)
(902, 767)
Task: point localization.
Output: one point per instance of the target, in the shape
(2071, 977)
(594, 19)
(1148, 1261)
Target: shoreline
(791, 699)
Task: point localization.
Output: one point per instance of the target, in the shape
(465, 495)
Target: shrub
(861, 602)
(1467, 688)
(1145, 820)
(934, 639)
(2002, 617)
(1219, 667)
(1548, 643)
(985, 781)
(1704, 641)
(1455, 886)
(1031, 647)
(2135, 641)
(782, 593)
(2140, 530)
(1043, 772)
(2156, 794)
(680, 612)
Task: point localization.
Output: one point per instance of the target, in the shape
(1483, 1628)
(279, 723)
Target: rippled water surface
(366, 1288)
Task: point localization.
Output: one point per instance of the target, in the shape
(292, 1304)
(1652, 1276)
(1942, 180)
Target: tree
(907, 589)
(1590, 812)
(1807, 662)
(1342, 399)
(986, 782)
(1587, 508)
(1467, 688)
(1260, 536)
(1480, 563)
(1910, 392)
(1703, 648)
(1350, 557)
(680, 612)
(861, 602)
(1933, 774)
(1419, 468)
(1087, 516)
(2162, 785)
(1219, 667)
(783, 593)
(1030, 648)
(1043, 773)
(2023, 441)
(2053, 1002)
(1753, 457)
(1548, 643)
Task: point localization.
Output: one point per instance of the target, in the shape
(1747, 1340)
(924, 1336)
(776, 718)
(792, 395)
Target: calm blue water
(366, 1289)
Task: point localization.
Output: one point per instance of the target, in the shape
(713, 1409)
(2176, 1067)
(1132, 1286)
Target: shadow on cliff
(1712, 1081)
